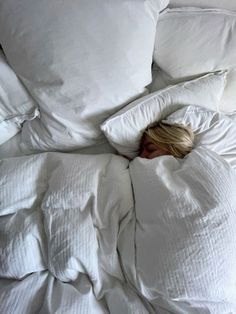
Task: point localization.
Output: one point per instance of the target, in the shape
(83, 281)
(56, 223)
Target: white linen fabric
(16, 105)
(125, 128)
(232, 116)
(62, 217)
(60, 220)
(183, 252)
(212, 130)
(226, 4)
(15, 147)
(38, 293)
(81, 61)
(185, 48)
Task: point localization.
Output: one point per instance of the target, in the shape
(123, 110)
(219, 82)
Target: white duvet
(62, 218)
(183, 249)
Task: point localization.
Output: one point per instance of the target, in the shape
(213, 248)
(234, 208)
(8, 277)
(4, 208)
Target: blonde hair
(177, 139)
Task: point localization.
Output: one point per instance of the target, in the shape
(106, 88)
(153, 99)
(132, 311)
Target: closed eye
(151, 148)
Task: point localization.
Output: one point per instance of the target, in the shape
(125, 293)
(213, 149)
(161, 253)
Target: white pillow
(226, 4)
(81, 60)
(124, 129)
(212, 130)
(16, 105)
(190, 42)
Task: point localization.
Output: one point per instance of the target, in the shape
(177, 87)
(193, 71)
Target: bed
(87, 226)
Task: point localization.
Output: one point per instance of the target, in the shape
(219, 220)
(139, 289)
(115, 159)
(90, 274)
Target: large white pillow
(16, 105)
(125, 128)
(81, 60)
(190, 42)
(226, 4)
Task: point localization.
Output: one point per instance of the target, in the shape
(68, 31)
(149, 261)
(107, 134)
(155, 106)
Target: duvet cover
(61, 216)
(93, 234)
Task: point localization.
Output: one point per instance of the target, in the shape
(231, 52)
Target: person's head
(166, 139)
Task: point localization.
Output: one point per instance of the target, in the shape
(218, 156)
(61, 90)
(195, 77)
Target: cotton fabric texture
(16, 105)
(226, 4)
(59, 234)
(212, 130)
(80, 60)
(125, 128)
(183, 252)
(185, 47)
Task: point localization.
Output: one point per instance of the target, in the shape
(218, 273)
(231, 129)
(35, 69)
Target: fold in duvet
(60, 219)
(73, 239)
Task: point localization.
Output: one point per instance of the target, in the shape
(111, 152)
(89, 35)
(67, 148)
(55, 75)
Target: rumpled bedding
(71, 241)
(61, 216)
(182, 248)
